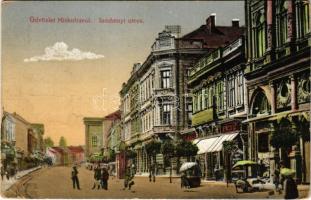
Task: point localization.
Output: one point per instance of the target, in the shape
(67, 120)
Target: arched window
(282, 22)
(302, 18)
(261, 104)
(260, 34)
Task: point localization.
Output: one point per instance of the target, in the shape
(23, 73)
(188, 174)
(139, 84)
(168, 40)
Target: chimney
(210, 21)
(235, 23)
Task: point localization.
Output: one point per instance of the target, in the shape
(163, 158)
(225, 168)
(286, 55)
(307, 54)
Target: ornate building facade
(218, 86)
(278, 84)
(155, 99)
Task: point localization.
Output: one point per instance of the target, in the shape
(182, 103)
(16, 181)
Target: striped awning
(213, 144)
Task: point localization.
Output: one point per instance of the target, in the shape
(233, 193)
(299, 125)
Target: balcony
(163, 129)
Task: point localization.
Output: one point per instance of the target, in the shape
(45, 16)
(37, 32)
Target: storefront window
(263, 142)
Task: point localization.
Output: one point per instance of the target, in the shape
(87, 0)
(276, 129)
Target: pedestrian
(7, 173)
(276, 179)
(104, 178)
(290, 188)
(152, 173)
(184, 181)
(2, 172)
(128, 180)
(74, 177)
(97, 177)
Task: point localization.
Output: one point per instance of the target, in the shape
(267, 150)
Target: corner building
(155, 103)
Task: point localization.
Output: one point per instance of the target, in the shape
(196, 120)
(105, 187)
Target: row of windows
(214, 95)
(302, 25)
(146, 88)
(147, 121)
(9, 129)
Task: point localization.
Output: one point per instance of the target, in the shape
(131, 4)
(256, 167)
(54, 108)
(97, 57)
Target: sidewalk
(157, 176)
(6, 184)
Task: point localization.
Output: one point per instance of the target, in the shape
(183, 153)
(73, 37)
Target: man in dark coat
(97, 177)
(152, 172)
(104, 178)
(290, 188)
(74, 177)
(128, 179)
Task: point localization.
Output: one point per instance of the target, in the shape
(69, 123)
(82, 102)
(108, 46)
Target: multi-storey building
(8, 139)
(19, 139)
(93, 135)
(160, 109)
(217, 85)
(278, 84)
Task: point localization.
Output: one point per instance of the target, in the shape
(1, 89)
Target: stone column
(293, 93)
(269, 25)
(290, 20)
(273, 103)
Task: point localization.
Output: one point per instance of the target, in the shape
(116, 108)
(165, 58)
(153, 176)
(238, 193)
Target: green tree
(185, 149)
(168, 151)
(62, 141)
(152, 149)
(112, 155)
(48, 142)
(229, 148)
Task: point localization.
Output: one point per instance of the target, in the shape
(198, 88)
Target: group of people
(101, 177)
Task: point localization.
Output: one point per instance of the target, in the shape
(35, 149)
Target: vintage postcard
(155, 100)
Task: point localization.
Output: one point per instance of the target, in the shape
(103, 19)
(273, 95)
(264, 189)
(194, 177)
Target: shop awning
(213, 144)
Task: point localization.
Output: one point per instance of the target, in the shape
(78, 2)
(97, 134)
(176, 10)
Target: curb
(21, 176)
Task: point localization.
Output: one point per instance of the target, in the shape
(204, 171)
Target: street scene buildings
(225, 107)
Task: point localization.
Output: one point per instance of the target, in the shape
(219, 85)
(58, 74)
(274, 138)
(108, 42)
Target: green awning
(203, 117)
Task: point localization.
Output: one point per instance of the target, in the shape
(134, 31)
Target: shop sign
(190, 136)
(230, 127)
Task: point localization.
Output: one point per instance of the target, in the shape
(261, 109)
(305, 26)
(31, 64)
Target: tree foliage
(112, 155)
(62, 141)
(229, 146)
(168, 148)
(130, 153)
(283, 139)
(186, 148)
(153, 148)
(48, 142)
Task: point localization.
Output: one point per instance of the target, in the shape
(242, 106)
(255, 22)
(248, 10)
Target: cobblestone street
(56, 183)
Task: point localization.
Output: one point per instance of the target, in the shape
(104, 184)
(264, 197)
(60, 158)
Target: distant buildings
(66, 155)
(96, 134)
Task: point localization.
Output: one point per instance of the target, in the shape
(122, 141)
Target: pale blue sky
(60, 93)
